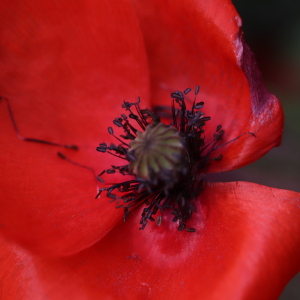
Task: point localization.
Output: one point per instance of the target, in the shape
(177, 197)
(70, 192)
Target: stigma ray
(27, 139)
(34, 140)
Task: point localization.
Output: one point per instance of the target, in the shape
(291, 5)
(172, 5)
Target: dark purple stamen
(163, 191)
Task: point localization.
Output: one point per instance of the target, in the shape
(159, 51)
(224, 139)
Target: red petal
(200, 42)
(66, 68)
(246, 247)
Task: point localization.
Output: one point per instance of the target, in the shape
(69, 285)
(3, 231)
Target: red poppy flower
(66, 67)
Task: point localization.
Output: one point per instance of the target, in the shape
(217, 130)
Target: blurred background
(272, 29)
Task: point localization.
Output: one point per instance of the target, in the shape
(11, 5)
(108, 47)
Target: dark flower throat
(166, 163)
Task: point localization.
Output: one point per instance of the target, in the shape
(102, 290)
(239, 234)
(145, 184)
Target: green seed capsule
(156, 150)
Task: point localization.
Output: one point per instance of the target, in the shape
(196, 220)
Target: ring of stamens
(168, 162)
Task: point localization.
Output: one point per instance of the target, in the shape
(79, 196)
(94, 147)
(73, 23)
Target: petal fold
(199, 42)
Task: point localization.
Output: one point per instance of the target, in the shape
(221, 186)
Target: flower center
(157, 151)
(167, 162)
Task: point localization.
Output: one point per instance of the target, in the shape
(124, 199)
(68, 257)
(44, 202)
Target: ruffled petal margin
(199, 42)
(246, 247)
(66, 68)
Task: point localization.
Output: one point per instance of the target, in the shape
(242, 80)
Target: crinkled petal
(246, 247)
(66, 67)
(200, 42)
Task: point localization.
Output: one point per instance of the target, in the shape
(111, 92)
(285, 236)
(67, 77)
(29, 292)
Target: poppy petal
(199, 42)
(66, 67)
(246, 247)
